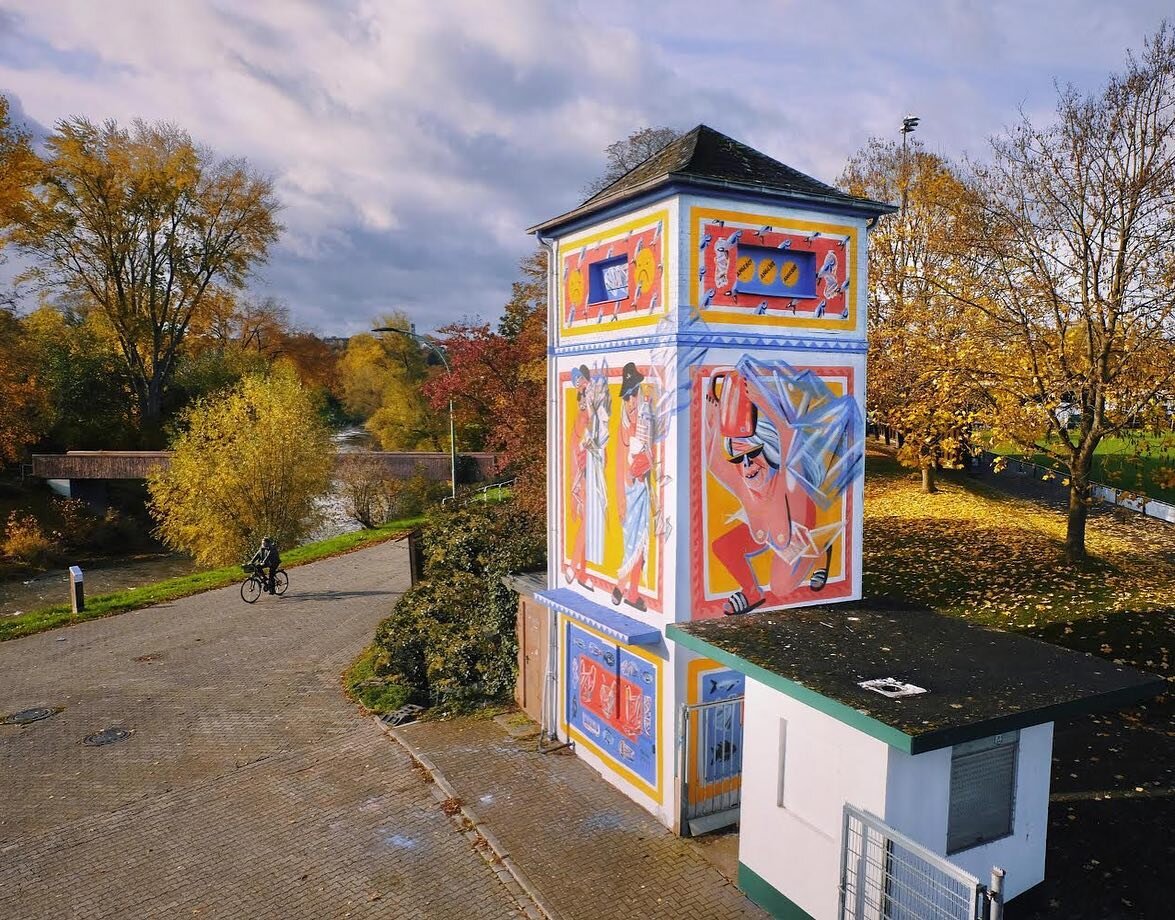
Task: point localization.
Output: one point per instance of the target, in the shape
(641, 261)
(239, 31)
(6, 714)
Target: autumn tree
(23, 399)
(918, 335)
(19, 167)
(142, 223)
(499, 380)
(250, 463)
(380, 377)
(1072, 270)
(622, 155)
(87, 404)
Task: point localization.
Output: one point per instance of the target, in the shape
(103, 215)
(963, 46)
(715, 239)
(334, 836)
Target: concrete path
(587, 850)
(249, 786)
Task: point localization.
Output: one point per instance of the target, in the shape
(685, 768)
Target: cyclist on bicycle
(267, 560)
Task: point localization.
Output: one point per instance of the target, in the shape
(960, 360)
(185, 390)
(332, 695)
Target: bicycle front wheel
(251, 589)
(281, 581)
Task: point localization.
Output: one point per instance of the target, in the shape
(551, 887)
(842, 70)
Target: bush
(25, 539)
(411, 497)
(451, 639)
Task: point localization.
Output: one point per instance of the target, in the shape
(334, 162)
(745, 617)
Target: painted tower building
(705, 445)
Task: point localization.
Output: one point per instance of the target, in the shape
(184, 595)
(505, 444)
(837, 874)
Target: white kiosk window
(983, 791)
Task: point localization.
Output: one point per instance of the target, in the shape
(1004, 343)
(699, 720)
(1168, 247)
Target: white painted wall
(796, 847)
(918, 799)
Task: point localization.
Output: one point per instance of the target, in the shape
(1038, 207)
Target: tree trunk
(1078, 513)
(928, 485)
(885, 434)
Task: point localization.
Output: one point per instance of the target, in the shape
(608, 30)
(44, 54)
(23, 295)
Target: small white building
(878, 743)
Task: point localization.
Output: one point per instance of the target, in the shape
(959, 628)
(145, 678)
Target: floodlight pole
(909, 123)
(452, 425)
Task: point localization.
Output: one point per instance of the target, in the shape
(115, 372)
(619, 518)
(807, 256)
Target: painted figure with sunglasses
(748, 445)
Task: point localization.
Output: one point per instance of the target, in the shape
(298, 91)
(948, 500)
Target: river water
(22, 594)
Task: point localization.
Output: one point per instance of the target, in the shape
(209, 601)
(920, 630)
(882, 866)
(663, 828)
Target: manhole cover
(106, 736)
(25, 716)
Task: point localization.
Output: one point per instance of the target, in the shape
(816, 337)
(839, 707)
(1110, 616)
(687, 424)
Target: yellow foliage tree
(918, 336)
(380, 378)
(251, 463)
(142, 224)
(1072, 271)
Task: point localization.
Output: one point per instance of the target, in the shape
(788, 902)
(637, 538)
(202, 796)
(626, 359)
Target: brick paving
(589, 851)
(250, 787)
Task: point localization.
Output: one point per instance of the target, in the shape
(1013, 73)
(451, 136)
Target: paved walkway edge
(478, 826)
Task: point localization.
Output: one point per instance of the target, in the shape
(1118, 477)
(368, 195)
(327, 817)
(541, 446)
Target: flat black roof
(980, 682)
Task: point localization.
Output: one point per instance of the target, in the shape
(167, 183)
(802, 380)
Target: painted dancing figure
(634, 464)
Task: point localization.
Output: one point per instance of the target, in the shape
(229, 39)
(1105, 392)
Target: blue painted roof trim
(841, 344)
(701, 189)
(620, 627)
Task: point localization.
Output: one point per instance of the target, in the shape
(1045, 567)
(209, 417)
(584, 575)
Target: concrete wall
(795, 846)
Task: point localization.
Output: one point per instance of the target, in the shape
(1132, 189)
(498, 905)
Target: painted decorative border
(576, 316)
(766, 226)
(850, 346)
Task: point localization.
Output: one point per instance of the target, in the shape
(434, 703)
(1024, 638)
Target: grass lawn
(975, 552)
(1116, 463)
(104, 605)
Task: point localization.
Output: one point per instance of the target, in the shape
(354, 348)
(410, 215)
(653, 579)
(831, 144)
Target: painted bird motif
(653, 302)
(762, 308)
(706, 241)
(786, 244)
(844, 314)
(708, 298)
(657, 233)
(733, 239)
(820, 308)
(701, 272)
(765, 229)
(792, 306)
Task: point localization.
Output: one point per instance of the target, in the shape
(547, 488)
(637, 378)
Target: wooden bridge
(88, 470)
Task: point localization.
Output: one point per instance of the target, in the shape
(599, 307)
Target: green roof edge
(839, 711)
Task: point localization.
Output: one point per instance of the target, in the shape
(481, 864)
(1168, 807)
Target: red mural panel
(804, 274)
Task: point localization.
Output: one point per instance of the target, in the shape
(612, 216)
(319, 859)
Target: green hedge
(451, 639)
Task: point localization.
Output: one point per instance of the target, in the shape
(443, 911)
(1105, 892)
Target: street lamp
(452, 427)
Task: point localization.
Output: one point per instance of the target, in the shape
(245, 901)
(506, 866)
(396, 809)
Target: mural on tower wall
(775, 450)
(611, 703)
(614, 279)
(756, 269)
(616, 415)
(716, 733)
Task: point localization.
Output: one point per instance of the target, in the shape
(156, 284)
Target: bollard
(77, 591)
(415, 557)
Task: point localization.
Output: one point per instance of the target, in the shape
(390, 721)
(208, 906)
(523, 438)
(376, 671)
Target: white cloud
(400, 133)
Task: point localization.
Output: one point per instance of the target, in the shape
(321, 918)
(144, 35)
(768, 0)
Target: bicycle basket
(249, 567)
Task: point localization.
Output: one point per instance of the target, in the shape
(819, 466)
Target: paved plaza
(249, 787)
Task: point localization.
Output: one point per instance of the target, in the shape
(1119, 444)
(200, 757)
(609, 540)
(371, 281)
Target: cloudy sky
(413, 141)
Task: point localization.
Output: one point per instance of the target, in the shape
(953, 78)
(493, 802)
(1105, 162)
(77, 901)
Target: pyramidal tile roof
(709, 159)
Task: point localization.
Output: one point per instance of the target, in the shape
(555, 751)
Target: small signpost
(77, 591)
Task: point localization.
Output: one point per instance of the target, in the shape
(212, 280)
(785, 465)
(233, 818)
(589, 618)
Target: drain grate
(106, 736)
(28, 716)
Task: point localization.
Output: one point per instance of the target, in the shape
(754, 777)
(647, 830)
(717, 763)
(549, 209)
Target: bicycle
(254, 586)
